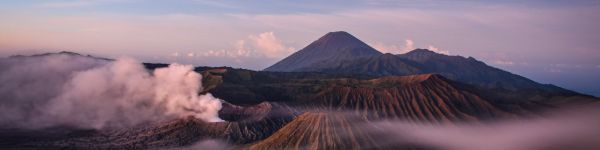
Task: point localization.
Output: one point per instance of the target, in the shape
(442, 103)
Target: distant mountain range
(341, 53)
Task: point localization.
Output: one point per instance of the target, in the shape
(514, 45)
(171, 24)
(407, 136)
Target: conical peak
(338, 34)
(331, 48)
(338, 37)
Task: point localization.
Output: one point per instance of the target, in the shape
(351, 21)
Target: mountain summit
(332, 48)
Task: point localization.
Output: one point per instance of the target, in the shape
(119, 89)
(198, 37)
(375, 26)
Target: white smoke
(74, 90)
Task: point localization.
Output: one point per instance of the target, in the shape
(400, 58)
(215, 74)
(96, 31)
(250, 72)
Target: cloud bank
(257, 50)
(408, 46)
(572, 128)
(395, 49)
(74, 90)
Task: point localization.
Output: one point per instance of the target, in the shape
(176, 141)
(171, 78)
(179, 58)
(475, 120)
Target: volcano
(332, 48)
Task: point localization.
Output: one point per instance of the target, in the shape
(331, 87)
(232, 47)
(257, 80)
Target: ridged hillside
(329, 131)
(427, 97)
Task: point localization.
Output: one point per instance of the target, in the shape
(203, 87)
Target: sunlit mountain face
(429, 75)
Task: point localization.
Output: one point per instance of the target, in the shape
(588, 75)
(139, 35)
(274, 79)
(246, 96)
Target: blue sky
(555, 42)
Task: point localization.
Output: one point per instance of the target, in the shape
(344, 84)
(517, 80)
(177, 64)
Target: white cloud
(264, 44)
(191, 54)
(256, 50)
(504, 62)
(393, 48)
(438, 50)
(239, 49)
(410, 45)
(240, 46)
(382, 47)
(268, 44)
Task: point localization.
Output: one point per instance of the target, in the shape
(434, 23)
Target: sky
(549, 41)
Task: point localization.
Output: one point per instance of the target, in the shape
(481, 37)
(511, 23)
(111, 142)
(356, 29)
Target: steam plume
(74, 90)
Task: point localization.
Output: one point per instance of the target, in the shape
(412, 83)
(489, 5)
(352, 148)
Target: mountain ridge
(422, 61)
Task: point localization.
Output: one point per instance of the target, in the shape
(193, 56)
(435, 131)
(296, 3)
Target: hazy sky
(549, 41)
